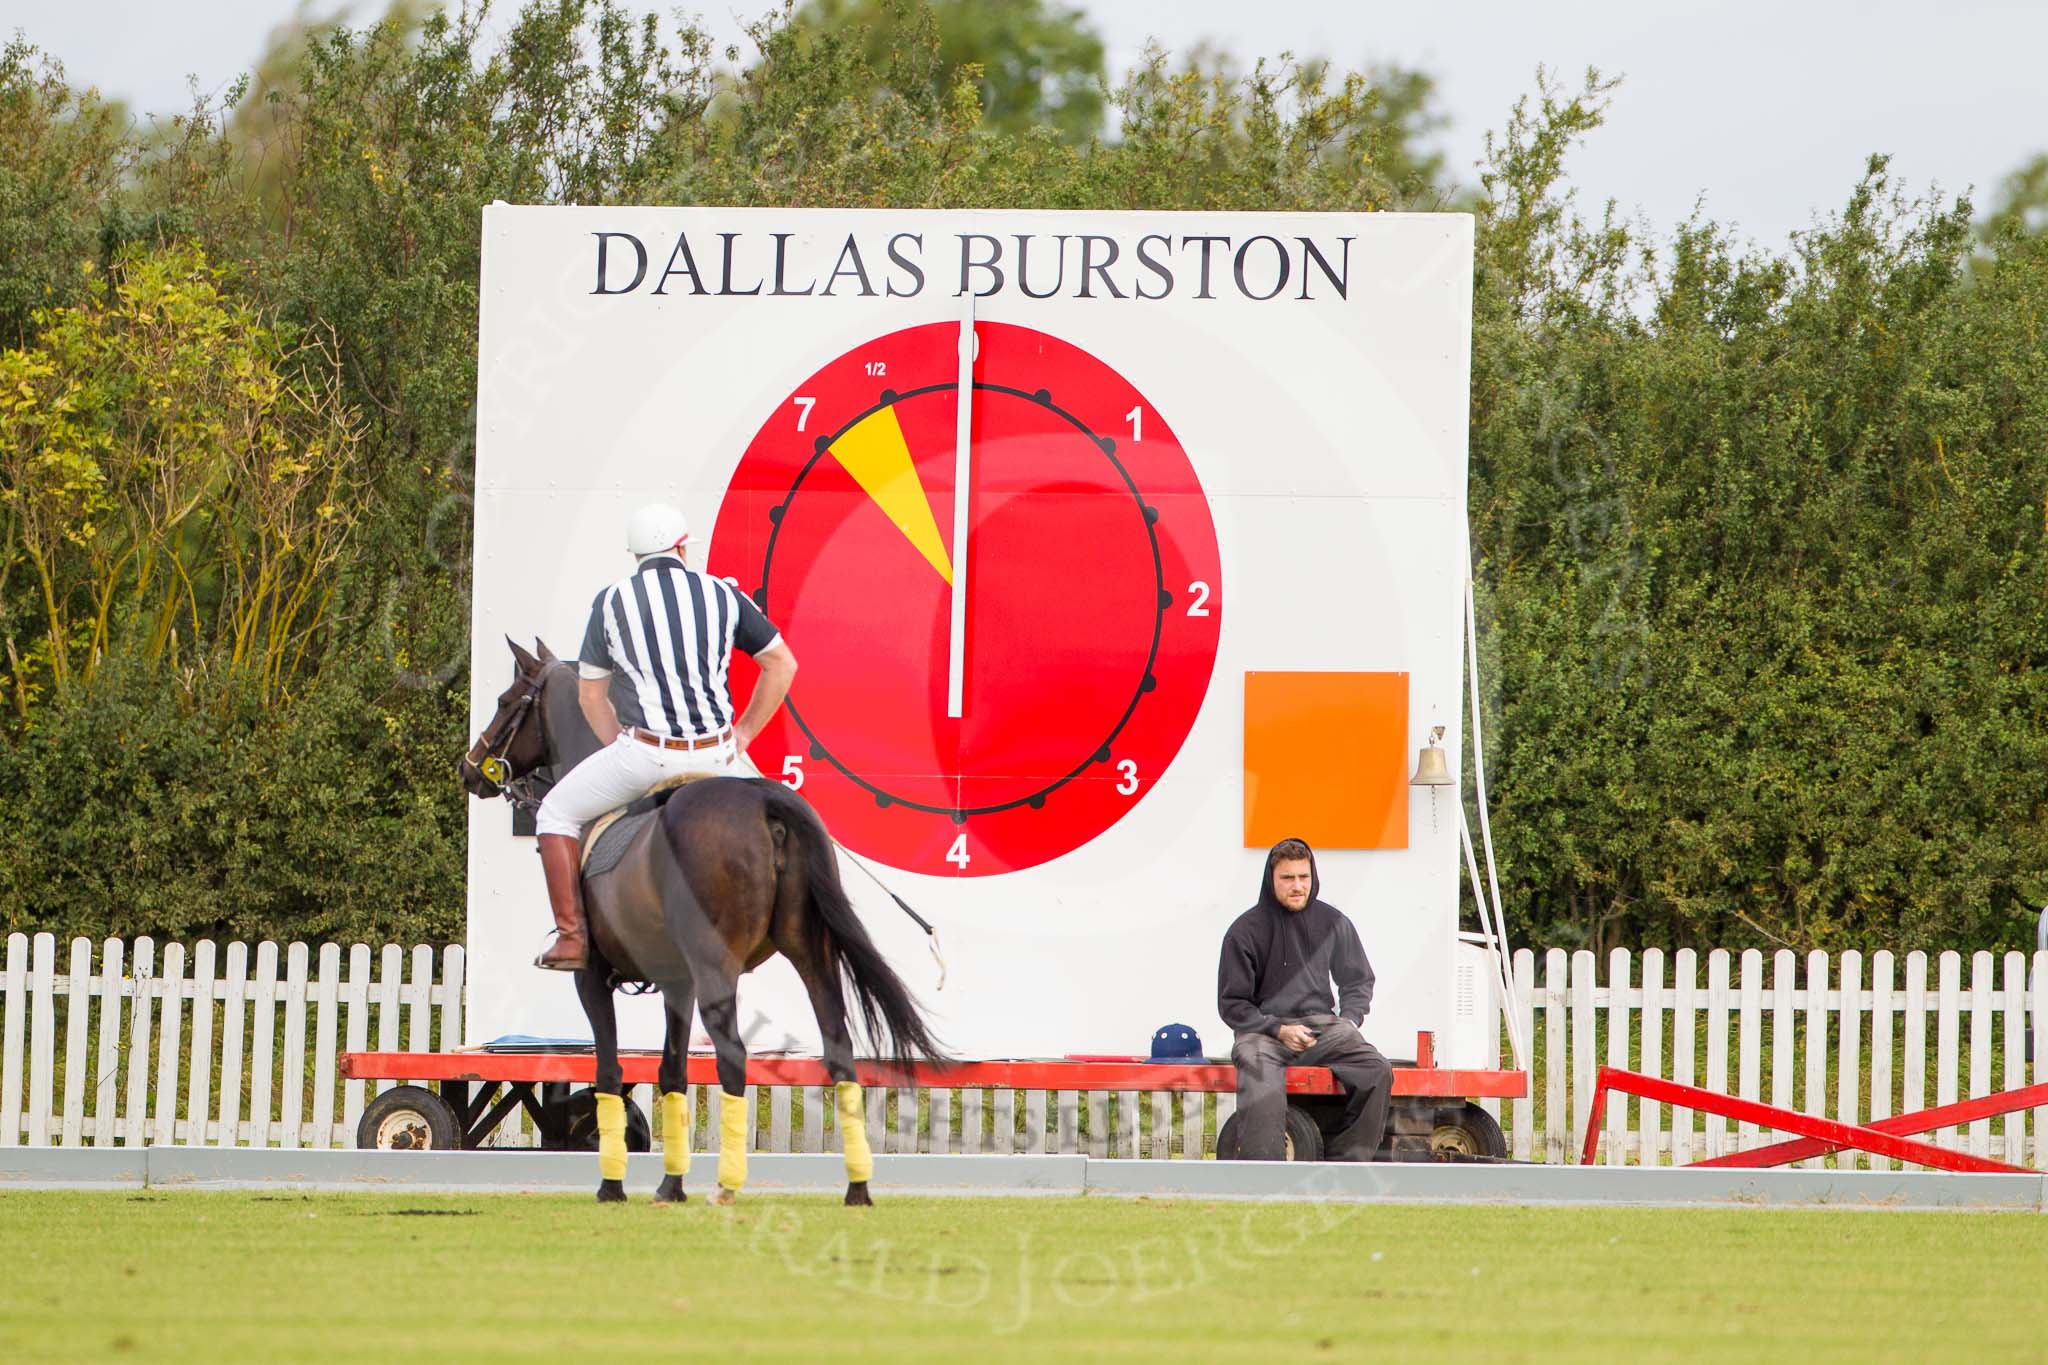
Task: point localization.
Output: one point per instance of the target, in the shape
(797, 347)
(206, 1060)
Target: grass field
(227, 1276)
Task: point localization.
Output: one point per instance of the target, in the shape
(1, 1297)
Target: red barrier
(1822, 1135)
(1919, 1121)
(581, 1068)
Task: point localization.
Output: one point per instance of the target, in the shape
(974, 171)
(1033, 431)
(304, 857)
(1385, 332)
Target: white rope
(1485, 826)
(1487, 923)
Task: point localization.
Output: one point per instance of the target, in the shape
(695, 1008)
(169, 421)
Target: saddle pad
(608, 839)
(604, 843)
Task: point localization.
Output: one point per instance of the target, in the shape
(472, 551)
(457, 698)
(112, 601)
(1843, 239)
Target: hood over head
(1284, 850)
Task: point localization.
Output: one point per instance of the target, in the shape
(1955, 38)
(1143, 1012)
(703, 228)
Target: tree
(1404, 118)
(258, 122)
(1761, 551)
(62, 156)
(2022, 203)
(169, 462)
(1034, 64)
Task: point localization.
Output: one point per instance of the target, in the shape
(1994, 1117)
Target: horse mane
(551, 668)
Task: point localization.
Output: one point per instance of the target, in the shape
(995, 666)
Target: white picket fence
(155, 1042)
(197, 1049)
(1845, 1037)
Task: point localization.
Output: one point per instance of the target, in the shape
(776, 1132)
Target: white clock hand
(956, 653)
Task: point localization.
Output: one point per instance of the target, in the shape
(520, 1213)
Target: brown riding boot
(561, 857)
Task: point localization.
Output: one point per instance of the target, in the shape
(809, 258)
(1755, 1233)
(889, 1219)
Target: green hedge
(1765, 591)
(133, 811)
(1759, 531)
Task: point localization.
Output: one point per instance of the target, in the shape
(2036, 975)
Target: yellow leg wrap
(611, 1136)
(853, 1132)
(675, 1135)
(732, 1141)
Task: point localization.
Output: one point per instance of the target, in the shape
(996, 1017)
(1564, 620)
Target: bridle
(486, 758)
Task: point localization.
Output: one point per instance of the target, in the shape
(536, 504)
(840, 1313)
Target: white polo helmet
(656, 529)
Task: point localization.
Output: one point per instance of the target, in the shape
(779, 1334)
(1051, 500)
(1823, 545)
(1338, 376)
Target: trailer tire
(1466, 1131)
(409, 1118)
(1303, 1138)
(577, 1123)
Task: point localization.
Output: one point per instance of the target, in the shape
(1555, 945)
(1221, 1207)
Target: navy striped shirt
(665, 634)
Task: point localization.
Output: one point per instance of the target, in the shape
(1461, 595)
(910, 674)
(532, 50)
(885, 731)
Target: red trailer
(1433, 1114)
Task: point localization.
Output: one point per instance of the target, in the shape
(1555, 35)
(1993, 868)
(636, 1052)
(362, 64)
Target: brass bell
(1430, 768)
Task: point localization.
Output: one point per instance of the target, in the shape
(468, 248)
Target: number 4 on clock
(957, 854)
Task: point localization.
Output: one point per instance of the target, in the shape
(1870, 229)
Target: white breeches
(623, 771)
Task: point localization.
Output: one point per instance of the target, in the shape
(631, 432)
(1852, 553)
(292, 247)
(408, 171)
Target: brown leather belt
(653, 740)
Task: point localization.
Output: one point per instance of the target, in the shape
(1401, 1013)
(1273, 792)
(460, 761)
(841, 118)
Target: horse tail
(840, 945)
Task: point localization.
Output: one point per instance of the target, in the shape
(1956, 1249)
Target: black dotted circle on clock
(1150, 515)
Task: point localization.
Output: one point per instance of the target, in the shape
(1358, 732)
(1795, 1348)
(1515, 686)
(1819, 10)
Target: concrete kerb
(554, 1172)
(522, 1172)
(73, 1168)
(903, 1173)
(224, 1168)
(1507, 1183)
(214, 1168)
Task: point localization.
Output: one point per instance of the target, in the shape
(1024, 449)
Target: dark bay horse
(727, 873)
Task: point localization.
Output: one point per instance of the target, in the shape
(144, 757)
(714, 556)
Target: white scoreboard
(1193, 579)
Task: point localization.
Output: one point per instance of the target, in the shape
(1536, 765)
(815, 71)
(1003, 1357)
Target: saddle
(609, 835)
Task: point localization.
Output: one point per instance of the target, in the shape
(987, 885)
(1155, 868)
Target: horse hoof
(611, 1192)
(857, 1196)
(670, 1191)
(724, 1197)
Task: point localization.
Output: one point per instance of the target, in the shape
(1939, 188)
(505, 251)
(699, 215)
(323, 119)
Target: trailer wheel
(1302, 1139)
(1466, 1131)
(577, 1123)
(409, 1118)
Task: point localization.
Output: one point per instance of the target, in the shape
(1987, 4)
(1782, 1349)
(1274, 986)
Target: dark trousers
(1262, 1063)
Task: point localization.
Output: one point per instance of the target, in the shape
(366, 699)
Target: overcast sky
(1766, 110)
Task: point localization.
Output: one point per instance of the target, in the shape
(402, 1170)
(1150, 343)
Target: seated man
(1273, 989)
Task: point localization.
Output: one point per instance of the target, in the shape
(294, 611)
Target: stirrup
(540, 958)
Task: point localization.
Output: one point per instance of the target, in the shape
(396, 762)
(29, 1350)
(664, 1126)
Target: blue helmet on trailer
(1176, 1043)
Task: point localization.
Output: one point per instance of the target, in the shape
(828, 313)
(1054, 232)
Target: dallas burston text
(1085, 265)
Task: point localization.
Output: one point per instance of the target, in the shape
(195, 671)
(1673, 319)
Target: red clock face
(1088, 596)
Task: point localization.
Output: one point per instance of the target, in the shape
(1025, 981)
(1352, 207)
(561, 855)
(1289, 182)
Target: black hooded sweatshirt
(1277, 963)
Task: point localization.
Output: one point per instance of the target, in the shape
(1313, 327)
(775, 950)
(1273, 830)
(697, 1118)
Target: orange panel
(1325, 759)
